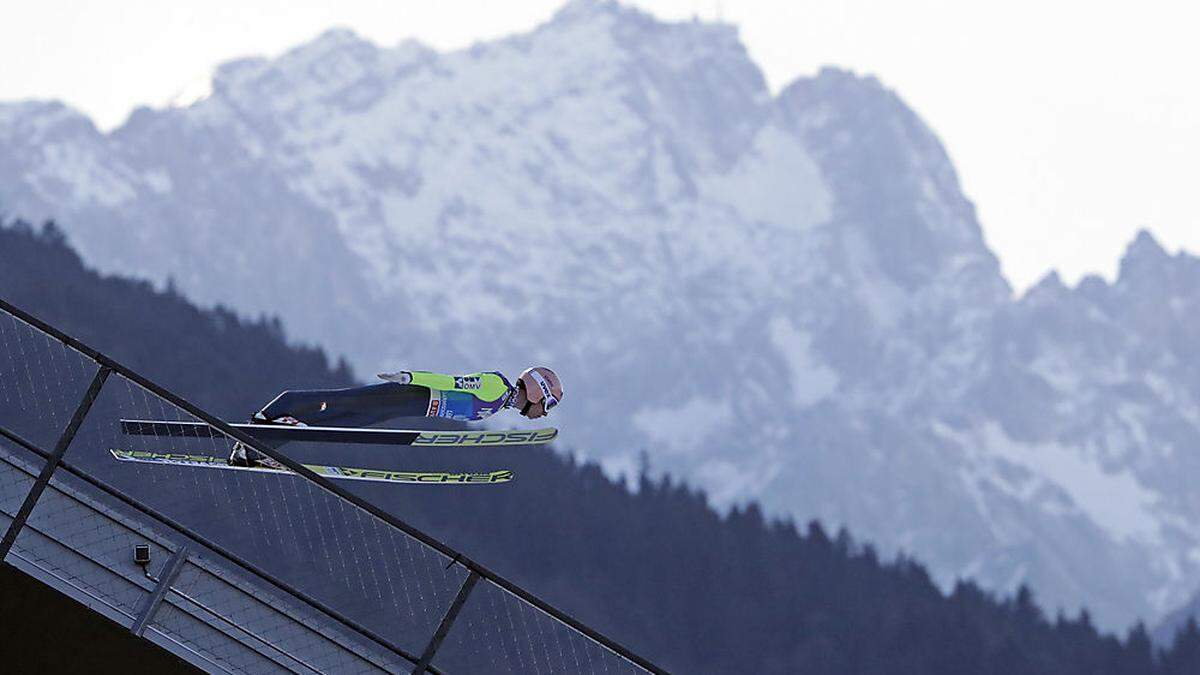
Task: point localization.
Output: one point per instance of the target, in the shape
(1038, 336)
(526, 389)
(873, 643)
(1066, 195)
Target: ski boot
(243, 456)
(251, 459)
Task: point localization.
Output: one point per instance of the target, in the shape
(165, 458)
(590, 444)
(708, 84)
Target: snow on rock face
(623, 198)
(762, 185)
(811, 380)
(1112, 499)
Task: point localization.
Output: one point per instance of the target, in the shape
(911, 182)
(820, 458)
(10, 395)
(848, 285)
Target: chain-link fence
(241, 571)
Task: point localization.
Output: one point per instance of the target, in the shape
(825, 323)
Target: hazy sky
(1072, 124)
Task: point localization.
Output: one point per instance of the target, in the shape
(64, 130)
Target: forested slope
(656, 568)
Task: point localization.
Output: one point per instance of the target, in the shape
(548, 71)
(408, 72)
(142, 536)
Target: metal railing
(267, 561)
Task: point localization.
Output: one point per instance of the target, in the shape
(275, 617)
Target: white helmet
(541, 385)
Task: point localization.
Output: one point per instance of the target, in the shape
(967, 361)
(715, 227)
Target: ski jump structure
(240, 572)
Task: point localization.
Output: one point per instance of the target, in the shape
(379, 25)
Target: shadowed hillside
(656, 568)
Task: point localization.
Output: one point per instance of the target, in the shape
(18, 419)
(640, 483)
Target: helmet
(541, 385)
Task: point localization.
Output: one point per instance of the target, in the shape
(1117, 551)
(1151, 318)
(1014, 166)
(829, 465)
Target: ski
(338, 472)
(279, 434)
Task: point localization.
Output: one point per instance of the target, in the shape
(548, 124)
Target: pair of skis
(278, 435)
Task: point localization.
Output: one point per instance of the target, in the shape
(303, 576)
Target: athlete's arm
(399, 377)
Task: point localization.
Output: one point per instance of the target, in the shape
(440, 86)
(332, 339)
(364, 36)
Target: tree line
(656, 566)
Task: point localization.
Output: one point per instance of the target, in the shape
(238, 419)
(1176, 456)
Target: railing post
(166, 579)
(447, 621)
(52, 462)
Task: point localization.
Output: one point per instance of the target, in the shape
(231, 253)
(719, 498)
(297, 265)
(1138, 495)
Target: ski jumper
(459, 397)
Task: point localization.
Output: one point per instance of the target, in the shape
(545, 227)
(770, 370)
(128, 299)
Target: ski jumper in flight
(414, 393)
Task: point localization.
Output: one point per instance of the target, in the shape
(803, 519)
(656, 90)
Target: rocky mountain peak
(1143, 259)
(1050, 288)
(45, 121)
(896, 186)
(333, 45)
(235, 73)
(582, 10)
(337, 69)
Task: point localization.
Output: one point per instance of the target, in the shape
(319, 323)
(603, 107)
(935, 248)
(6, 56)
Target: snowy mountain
(784, 298)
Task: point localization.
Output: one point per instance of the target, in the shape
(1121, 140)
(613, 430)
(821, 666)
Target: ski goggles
(548, 399)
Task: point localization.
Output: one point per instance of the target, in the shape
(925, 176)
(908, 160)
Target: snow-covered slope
(784, 298)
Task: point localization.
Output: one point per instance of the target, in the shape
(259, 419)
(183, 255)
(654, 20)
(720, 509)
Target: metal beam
(52, 462)
(165, 579)
(447, 621)
(228, 555)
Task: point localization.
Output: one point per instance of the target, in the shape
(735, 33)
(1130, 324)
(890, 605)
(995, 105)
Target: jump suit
(459, 397)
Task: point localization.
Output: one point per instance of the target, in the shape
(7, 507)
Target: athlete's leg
(353, 407)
